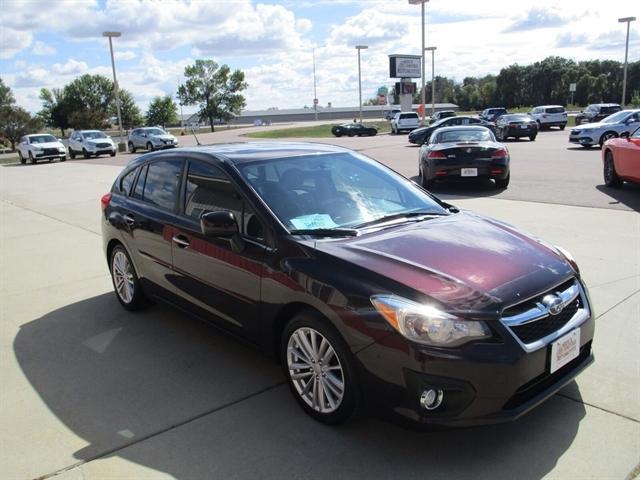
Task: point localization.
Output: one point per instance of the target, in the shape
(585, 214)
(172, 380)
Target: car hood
(164, 137)
(585, 126)
(100, 140)
(473, 265)
(49, 145)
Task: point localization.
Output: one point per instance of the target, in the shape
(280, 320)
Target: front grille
(103, 145)
(50, 151)
(530, 332)
(524, 306)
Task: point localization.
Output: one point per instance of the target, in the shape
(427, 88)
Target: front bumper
(582, 139)
(483, 382)
(521, 132)
(48, 156)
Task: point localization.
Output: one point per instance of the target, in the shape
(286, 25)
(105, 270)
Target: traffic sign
(572, 87)
(315, 101)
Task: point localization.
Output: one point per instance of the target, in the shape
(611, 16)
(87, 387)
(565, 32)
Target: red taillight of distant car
(104, 201)
(500, 153)
(436, 154)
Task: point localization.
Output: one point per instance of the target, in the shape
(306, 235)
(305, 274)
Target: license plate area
(564, 350)
(468, 172)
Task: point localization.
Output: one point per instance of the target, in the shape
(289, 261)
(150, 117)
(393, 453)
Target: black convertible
(353, 129)
(468, 152)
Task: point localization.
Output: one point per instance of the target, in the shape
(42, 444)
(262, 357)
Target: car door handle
(129, 219)
(181, 241)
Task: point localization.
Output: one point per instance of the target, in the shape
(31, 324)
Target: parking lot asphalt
(92, 391)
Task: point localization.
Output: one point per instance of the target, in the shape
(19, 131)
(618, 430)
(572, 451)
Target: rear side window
(555, 110)
(126, 182)
(613, 109)
(162, 183)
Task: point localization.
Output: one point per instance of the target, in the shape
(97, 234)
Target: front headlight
(568, 257)
(61, 148)
(427, 324)
(586, 130)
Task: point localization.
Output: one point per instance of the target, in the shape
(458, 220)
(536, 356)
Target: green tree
(89, 98)
(162, 111)
(6, 95)
(16, 123)
(129, 111)
(55, 111)
(216, 89)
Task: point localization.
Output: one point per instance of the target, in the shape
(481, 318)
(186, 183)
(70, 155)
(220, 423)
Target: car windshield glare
(43, 139)
(333, 190)
(458, 136)
(93, 135)
(616, 117)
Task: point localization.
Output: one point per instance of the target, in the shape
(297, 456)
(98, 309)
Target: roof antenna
(194, 136)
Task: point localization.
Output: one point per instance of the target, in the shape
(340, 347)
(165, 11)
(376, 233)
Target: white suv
(90, 142)
(549, 116)
(151, 138)
(405, 121)
(41, 146)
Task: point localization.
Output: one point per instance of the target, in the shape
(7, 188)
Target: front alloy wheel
(317, 365)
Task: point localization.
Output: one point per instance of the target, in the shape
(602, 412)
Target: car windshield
(458, 136)
(615, 118)
(334, 190)
(42, 139)
(93, 135)
(155, 131)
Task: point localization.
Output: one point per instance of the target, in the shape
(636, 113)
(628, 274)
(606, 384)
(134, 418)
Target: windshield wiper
(326, 232)
(398, 216)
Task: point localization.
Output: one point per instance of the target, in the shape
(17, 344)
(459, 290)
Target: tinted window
(208, 189)
(555, 110)
(127, 181)
(334, 190)
(613, 109)
(464, 136)
(162, 183)
(405, 116)
(137, 193)
(43, 139)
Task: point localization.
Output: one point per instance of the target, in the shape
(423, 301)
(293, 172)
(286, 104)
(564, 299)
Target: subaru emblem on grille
(553, 303)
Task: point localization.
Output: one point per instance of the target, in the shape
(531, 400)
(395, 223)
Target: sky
(48, 43)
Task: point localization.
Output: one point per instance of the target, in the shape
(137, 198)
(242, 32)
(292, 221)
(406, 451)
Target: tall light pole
(628, 21)
(433, 83)
(360, 47)
(122, 145)
(315, 94)
(423, 98)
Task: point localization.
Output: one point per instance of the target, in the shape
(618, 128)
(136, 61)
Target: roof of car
(39, 134)
(549, 106)
(604, 105)
(241, 152)
(462, 127)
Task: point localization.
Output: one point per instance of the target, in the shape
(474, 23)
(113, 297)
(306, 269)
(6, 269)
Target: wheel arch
(283, 316)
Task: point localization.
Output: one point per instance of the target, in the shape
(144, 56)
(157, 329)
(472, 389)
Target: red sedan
(621, 158)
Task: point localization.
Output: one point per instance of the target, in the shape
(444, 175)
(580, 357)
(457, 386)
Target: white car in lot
(591, 134)
(151, 138)
(41, 146)
(90, 142)
(549, 116)
(405, 121)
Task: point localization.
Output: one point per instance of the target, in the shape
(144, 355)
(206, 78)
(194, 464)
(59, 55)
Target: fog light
(431, 399)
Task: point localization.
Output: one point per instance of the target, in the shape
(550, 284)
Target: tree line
(541, 83)
(89, 102)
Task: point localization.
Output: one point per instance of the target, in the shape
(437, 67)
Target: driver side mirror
(219, 224)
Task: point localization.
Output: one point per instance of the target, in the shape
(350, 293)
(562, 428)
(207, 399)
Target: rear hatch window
(555, 110)
(408, 116)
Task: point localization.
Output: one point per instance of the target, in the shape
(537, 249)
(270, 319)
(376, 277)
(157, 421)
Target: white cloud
(71, 67)
(43, 49)
(13, 41)
(125, 55)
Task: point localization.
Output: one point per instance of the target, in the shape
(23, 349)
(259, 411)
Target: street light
(315, 95)
(360, 47)
(121, 146)
(422, 2)
(628, 20)
(433, 83)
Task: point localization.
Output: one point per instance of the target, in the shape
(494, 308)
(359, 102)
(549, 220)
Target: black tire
(63, 159)
(532, 138)
(149, 147)
(85, 154)
(112, 154)
(503, 182)
(606, 136)
(424, 181)
(138, 299)
(562, 127)
(21, 158)
(132, 149)
(311, 321)
(586, 146)
(503, 136)
(338, 134)
(611, 178)
(539, 125)
(32, 160)
(72, 153)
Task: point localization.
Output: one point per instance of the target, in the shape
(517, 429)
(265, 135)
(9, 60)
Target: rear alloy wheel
(611, 178)
(606, 136)
(132, 149)
(318, 369)
(503, 182)
(149, 147)
(125, 280)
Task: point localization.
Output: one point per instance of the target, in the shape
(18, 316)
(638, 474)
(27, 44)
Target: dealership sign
(405, 66)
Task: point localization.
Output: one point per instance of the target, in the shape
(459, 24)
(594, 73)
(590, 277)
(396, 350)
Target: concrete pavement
(92, 391)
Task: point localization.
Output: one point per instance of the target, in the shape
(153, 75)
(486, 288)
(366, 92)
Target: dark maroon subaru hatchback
(372, 293)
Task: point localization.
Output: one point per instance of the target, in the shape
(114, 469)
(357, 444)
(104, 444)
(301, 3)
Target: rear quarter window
(162, 183)
(126, 182)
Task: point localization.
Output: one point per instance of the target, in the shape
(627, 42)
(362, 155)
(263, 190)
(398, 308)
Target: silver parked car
(590, 134)
(150, 138)
(90, 142)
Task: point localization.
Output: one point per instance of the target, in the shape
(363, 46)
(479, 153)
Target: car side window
(208, 189)
(162, 183)
(126, 182)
